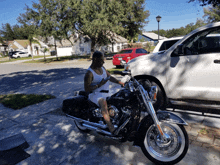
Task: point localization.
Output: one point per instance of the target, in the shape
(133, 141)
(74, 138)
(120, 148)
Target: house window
(81, 49)
(118, 48)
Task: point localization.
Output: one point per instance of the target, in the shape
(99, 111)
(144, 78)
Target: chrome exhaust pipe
(97, 129)
(102, 126)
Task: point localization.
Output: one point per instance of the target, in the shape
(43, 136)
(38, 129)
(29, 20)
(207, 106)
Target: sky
(174, 13)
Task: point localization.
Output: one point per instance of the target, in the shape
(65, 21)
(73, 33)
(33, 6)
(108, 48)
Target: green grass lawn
(6, 59)
(18, 101)
(59, 59)
(111, 71)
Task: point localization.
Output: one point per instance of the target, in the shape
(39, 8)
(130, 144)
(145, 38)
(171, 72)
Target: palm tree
(32, 40)
(45, 50)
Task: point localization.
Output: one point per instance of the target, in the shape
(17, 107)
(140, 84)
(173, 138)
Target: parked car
(166, 44)
(109, 56)
(127, 55)
(187, 74)
(21, 54)
(10, 54)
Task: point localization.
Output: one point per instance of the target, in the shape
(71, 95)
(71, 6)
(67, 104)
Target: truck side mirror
(178, 51)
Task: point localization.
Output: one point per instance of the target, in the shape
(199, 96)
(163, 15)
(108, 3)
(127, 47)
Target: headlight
(127, 66)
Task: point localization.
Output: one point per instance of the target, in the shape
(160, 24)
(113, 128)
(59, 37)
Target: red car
(127, 55)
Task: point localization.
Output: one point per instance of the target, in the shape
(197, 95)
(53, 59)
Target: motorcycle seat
(81, 93)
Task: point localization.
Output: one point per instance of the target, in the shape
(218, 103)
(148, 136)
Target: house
(119, 44)
(3, 48)
(150, 37)
(81, 45)
(23, 45)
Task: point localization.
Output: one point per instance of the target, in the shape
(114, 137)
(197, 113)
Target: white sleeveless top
(96, 94)
(98, 78)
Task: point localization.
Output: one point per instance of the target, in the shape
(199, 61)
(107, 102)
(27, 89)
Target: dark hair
(97, 54)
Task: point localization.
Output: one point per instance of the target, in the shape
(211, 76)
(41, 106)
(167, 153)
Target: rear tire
(160, 102)
(170, 152)
(80, 127)
(29, 55)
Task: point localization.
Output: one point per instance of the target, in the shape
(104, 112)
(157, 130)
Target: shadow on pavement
(10, 83)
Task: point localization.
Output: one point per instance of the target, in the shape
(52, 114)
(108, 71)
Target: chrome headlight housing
(127, 66)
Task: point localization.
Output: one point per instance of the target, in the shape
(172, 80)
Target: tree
(207, 2)
(182, 30)
(9, 32)
(44, 51)
(54, 18)
(100, 20)
(133, 18)
(30, 27)
(6, 32)
(212, 14)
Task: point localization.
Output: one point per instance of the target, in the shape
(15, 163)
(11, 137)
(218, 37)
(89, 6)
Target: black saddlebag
(76, 106)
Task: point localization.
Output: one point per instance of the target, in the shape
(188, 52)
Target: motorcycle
(161, 135)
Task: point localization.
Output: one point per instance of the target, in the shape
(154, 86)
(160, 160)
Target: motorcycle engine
(113, 112)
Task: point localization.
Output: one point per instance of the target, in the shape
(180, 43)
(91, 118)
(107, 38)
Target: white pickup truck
(187, 73)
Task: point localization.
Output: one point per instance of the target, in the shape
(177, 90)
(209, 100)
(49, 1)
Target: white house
(150, 37)
(3, 48)
(23, 45)
(81, 45)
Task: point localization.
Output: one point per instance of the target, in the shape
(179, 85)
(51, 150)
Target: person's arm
(88, 81)
(113, 79)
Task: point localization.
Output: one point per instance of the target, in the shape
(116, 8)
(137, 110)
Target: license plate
(120, 59)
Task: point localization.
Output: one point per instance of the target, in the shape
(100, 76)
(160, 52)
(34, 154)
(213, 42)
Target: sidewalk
(54, 139)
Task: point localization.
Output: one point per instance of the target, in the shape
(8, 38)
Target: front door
(196, 73)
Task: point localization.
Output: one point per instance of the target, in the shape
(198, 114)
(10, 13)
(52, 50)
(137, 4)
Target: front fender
(163, 116)
(170, 117)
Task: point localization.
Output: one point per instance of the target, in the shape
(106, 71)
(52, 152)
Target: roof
(13, 46)
(152, 35)
(23, 43)
(120, 39)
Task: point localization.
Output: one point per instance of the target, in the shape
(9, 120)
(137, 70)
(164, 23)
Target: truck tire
(160, 102)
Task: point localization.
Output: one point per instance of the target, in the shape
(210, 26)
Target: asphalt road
(17, 77)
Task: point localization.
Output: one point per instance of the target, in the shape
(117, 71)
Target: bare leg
(103, 104)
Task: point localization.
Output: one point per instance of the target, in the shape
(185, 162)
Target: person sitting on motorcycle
(96, 81)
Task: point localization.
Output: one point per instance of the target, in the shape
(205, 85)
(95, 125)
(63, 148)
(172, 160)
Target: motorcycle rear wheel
(170, 152)
(81, 127)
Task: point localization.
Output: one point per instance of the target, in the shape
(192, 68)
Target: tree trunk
(44, 57)
(92, 49)
(56, 49)
(32, 52)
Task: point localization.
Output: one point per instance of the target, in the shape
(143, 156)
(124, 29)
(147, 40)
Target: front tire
(170, 152)
(160, 102)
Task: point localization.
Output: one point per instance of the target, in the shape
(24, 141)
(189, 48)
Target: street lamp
(158, 20)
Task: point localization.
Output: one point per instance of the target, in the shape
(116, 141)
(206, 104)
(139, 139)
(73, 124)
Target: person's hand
(121, 83)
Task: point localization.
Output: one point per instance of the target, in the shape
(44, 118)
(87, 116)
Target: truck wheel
(160, 102)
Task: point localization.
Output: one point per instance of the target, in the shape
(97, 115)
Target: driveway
(54, 139)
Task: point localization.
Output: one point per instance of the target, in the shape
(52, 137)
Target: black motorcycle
(161, 135)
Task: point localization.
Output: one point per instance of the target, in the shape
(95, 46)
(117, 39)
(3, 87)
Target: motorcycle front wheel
(170, 151)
